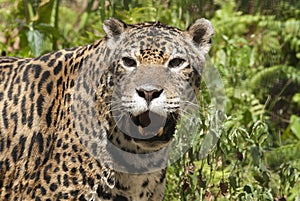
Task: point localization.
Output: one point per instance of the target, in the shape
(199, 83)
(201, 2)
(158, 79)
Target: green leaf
(45, 11)
(296, 99)
(35, 41)
(295, 125)
(232, 182)
(256, 155)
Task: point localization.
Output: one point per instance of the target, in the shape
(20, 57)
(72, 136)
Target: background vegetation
(257, 51)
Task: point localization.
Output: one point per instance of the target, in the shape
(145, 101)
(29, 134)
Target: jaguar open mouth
(152, 127)
(149, 123)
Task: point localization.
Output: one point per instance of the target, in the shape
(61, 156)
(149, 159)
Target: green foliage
(280, 83)
(283, 154)
(256, 58)
(281, 76)
(256, 50)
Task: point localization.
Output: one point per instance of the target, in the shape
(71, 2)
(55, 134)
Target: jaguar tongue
(144, 119)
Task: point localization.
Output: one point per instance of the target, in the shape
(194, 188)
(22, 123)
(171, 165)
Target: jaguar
(95, 122)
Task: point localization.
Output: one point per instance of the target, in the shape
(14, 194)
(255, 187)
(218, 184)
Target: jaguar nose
(149, 95)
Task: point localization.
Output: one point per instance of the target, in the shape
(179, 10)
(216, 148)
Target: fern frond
(283, 154)
(276, 80)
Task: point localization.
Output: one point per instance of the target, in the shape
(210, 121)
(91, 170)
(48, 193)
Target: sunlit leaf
(295, 125)
(36, 41)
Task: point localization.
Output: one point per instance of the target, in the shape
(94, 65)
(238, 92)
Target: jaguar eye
(176, 62)
(128, 62)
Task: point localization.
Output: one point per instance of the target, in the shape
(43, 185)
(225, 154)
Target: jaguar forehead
(152, 36)
(152, 56)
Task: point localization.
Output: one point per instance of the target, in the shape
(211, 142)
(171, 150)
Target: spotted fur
(57, 120)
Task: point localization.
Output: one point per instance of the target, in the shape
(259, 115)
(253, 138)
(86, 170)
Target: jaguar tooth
(160, 131)
(141, 130)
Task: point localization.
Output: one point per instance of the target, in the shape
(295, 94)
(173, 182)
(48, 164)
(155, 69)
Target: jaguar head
(156, 71)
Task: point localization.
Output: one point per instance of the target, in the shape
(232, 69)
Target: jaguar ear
(201, 32)
(114, 27)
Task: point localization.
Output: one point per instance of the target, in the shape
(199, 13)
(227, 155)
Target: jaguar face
(156, 72)
(151, 93)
